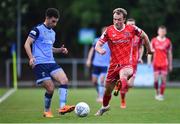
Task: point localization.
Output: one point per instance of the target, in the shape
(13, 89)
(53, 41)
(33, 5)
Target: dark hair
(120, 11)
(131, 20)
(162, 27)
(52, 12)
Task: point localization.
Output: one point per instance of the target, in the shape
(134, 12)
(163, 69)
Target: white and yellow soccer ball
(82, 109)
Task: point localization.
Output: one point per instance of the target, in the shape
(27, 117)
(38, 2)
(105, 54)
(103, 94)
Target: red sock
(124, 86)
(162, 88)
(106, 99)
(156, 86)
(123, 95)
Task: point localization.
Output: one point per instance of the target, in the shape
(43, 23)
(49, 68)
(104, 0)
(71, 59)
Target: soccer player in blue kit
(100, 65)
(42, 38)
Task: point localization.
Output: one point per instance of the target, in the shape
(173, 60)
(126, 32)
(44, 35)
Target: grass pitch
(26, 106)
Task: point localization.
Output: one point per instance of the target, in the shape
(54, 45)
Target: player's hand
(32, 62)
(63, 49)
(101, 51)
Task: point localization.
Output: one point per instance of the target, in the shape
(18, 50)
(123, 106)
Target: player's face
(118, 20)
(52, 22)
(161, 32)
(130, 23)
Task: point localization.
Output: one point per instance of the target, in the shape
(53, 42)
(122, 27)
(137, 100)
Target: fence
(75, 69)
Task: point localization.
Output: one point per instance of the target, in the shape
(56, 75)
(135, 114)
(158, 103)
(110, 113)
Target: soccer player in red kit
(137, 53)
(162, 61)
(119, 37)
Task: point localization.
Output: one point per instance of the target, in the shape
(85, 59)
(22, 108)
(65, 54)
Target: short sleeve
(137, 30)
(104, 36)
(34, 33)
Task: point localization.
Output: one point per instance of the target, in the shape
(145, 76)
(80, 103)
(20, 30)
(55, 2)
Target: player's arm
(89, 58)
(141, 51)
(146, 42)
(99, 48)
(62, 49)
(101, 41)
(149, 57)
(33, 35)
(27, 47)
(170, 56)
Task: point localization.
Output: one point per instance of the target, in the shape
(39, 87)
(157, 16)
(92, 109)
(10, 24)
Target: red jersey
(137, 42)
(161, 49)
(120, 43)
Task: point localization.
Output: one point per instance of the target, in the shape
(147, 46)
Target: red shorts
(161, 69)
(113, 72)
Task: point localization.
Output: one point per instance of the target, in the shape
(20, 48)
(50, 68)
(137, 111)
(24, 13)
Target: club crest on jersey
(127, 34)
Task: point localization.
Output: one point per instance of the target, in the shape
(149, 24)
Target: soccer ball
(82, 109)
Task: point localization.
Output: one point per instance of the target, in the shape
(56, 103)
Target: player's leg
(156, 81)
(131, 81)
(123, 94)
(125, 72)
(106, 98)
(49, 86)
(132, 78)
(163, 84)
(59, 75)
(43, 78)
(94, 77)
(101, 83)
(101, 87)
(109, 86)
(117, 88)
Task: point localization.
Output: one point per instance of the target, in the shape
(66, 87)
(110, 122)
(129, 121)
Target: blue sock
(47, 100)
(101, 91)
(62, 95)
(100, 88)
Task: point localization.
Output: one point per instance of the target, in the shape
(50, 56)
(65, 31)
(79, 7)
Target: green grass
(2, 91)
(26, 105)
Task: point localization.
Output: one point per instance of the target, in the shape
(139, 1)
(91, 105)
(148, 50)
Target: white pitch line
(7, 94)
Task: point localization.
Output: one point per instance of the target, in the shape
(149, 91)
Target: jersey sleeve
(34, 33)
(137, 30)
(104, 37)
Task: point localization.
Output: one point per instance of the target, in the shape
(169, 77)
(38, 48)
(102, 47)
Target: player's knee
(155, 79)
(64, 81)
(103, 81)
(164, 80)
(50, 89)
(123, 76)
(94, 80)
(130, 85)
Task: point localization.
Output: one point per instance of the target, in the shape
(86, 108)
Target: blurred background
(18, 17)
